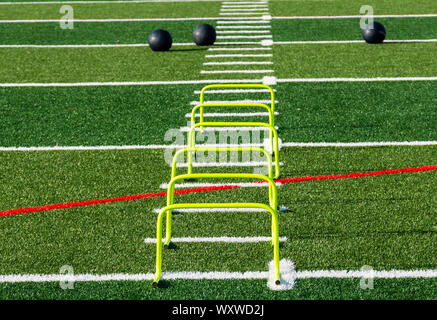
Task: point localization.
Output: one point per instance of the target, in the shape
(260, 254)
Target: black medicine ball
(375, 34)
(204, 35)
(160, 40)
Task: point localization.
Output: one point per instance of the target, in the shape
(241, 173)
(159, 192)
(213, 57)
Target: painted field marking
(138, 19)
(426, 15)
(359, 144)
(357, 79)
(233, 185)
(237, 42)
(232, 114)
(242, 31)
(109, 20)
(228, 63)
(234, 91)
(265, 101)
(241, 13)
(242, 22)
(247, 6)
(174, 146)
(220, 19)
(246, 37)
(226, 129)
(265, 42)
(240, 49)
(216, 239)
(128, 83)
(244, 2)
(238, 55)
(245, 27)
(234, 9)
(219, 275)
(234, 71)
(265, 80)
(99, 2)
(57, 206)
(353, 41)
(227, 164)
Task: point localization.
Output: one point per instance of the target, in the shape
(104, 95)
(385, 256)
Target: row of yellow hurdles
(273, 171)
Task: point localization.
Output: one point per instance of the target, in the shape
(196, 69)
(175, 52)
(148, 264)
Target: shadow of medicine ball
(204, 35)
(375, 34)
(160, 40)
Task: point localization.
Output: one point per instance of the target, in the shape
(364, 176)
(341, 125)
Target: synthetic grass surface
(376, 111)
(349, 29)
(339, 7)
(112, 10)
(181, 31)
(317, 289)
(183, 63)
(100, 64)
(355, 60)
(96, 32)
(387, 222)
(211, 9)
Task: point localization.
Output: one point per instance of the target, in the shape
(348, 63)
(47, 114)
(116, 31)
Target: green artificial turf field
(83, 119)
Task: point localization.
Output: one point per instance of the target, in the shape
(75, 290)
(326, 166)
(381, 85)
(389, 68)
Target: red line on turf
(212, 188)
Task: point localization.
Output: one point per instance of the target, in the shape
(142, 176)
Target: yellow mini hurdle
(250, 86)
(171, 206)
(273, 197)
(274, 141)
(219, 149)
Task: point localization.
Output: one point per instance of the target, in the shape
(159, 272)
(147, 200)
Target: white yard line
(172, 146)
(228, 63)
(219, 37)
(242, 31)
(431, 15)
(99, 2)
(243, 22)
(219, 275)
(265, 101)
(244, 2)
(226, 164)
(238, 55)
(84, 45)
(242, 18)
(228, 19)
(232, 114)
(217, 239)
(240, 49)
(234, 71)
(246, 37)
(245, 27)
(357, 79)
(266, 80)
(352, 41)
(206, 184)
(244, 9)
(110, 20)
(242, 14)
(226, 6)
(233, 91)
(226, 129)
(218, 43)
(359, 144)
(129, 83)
